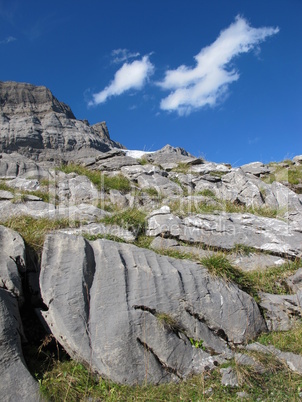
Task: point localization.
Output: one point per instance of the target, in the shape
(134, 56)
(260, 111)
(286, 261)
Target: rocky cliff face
(34, 123)
(130, 263)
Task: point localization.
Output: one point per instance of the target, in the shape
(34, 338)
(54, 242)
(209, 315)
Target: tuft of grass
(207, 193)
(34, 230)
(182, 168)
(169, 322)
(143, 161)
(131, 219)
(218, 265)
(272, 280)
(100, 180)
(286, 341)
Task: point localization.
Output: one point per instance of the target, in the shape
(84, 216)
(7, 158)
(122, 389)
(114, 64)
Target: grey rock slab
(16, 383)
(209, 167)
(108, 305)
(169, 154)
(281, 311)
(12, 262)
(229, 377)
(40, 209)
(118, 199)
(292, 360)
(225, 230)
(255, 168)
(294, 282)
(243, 359)
(23, 184)
(116, 163)
(255, 261)
(133, 171)
(72, 189)
(16, 165)
(162, 184)
(6, 195)
(96, 229)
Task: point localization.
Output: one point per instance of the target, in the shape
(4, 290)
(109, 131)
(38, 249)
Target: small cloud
(122, 55)
(207, 83)
(130, 76)
(7, 40)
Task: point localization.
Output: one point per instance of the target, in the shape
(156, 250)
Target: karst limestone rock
(16, 382)
(34, 123)
(129, 313)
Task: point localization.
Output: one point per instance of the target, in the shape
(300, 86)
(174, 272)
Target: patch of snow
(137, 154)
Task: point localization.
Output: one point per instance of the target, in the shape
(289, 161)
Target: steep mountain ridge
(36, 124)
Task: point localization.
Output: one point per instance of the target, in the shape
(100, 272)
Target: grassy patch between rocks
(272, 280)
(100, 180)
(286, 341)
(191, 207)
(131, 219)
(34, 230)
(71, 381)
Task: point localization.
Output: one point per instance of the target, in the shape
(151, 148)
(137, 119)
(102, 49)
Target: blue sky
(221, 79)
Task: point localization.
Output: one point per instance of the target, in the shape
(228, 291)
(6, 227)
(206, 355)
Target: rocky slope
(129, 263)
(34, 123)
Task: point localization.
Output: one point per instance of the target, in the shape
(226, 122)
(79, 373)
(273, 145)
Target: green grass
(187, 207)
(287, 341)
(71, 381)
(219, 265)
(272, 280)
(100, 180)
(207, 193)
(131, 219)
(20, 195)
(34, 230)
(291, 174)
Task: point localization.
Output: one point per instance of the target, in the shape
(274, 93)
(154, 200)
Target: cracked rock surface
(129, 312)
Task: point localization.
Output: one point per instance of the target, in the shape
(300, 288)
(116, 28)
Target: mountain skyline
(222, 81)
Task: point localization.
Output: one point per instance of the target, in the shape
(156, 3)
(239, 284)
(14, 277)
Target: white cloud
(121, 55)
(7, 40)
(207, 82)
(130, 76)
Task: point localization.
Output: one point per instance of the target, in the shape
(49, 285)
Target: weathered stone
(115, 163)
(281, 311)
(133, 171)
(229, 377)
(6, 195)
(162, 184)
(99, 229)
(12, 262)
(169, 154)
(255, 261)
(34, 123)
(246, 360)
(16, 383)
(297, 159)
(228, 229)
(14, 164)
(112, 306)
(255, 168)
(71, 189)
(118, 199)
(292, 360)
(294, 282)
(40, 209)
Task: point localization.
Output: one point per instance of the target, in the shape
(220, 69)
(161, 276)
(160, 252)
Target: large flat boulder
(226, 230)
(129, 313)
